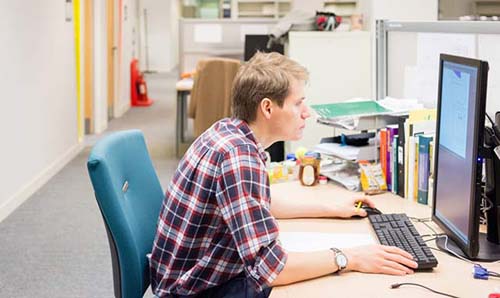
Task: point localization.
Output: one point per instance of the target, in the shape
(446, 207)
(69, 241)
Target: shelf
(340, 2)
(264, 1)
(255, 14)
(486, 8)
(364, 122)
(261, 8)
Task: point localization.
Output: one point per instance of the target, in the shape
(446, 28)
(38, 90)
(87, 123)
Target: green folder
(356, 108)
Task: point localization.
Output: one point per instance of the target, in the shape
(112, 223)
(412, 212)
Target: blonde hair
(266, 75)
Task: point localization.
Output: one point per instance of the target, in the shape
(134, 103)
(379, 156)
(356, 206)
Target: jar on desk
(309, 169)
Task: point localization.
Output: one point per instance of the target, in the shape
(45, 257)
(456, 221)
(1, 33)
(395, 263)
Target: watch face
(341, 260)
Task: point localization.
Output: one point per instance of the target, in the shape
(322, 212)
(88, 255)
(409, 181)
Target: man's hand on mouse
(345, 208)
(379, 259)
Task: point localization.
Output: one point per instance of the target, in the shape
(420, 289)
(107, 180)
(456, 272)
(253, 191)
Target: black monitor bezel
(471, 249)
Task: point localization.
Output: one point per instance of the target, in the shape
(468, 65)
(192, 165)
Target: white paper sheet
(303, 242)
(208, 33)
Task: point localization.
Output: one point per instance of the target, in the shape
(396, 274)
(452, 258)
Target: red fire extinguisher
(138, 87)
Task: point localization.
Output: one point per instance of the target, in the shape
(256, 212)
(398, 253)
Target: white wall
(129, 50)
(100, 67)
(407, 10)
(38, 110)
(159, 43)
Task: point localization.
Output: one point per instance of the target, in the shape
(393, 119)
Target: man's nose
(306, 113)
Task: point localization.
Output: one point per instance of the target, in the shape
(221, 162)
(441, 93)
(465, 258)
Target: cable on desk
(395, 286)
(436, 236)
(449, 251)
(425, 221)
(417, 219)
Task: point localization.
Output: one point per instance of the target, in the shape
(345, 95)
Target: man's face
(289, 120)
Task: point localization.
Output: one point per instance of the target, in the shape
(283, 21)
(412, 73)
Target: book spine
(394, 163)
(391, 132)
(415, 171)
(432, 153)
(401, 159)
(411, 166)
(408, 134)
(423, 169)
(383, 151)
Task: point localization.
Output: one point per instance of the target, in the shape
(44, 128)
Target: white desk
(452, 276)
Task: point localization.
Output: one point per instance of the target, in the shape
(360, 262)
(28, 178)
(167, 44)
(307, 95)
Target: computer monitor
(458, 161)
(260, 42)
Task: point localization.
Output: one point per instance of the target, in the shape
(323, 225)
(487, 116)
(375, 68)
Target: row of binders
(407, 155)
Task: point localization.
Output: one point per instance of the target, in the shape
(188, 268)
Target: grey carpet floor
(55, 244)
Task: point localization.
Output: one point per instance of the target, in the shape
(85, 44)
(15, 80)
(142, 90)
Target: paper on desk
(186, 83)
(312, 241)
(342, 151)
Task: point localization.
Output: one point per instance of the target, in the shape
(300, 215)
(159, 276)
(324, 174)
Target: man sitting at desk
(217, 232)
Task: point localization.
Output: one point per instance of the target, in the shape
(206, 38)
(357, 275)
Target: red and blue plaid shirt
(215, 221)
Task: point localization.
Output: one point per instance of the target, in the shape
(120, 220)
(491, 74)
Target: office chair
(211, 94)
(129, 196)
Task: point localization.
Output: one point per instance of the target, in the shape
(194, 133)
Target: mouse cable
(417, 219)
(451, 252)
(395, 286)
(430, 228)
(435, 236)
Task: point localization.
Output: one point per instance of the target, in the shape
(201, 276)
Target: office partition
(407, 56)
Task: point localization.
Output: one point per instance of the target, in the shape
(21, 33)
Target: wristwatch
(340, 259)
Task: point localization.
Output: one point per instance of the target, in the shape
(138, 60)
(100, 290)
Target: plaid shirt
(215, 221)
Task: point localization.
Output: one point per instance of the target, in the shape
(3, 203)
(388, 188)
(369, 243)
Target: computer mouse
(371, 210)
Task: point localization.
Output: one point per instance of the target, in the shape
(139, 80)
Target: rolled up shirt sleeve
(243, 197)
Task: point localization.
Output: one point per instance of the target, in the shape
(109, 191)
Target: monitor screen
(459, 135)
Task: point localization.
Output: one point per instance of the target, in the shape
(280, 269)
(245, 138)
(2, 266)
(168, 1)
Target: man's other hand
(345, 208)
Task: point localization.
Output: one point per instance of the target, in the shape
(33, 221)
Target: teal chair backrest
(129, 196)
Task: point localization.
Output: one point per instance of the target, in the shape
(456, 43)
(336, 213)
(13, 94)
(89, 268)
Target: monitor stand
(488, 251)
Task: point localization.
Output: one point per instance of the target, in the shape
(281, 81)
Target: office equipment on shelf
(460, 152)
(354, 108)
(362, 114)
(358, 140)
(347, 152)
(397, 230)
(344, 173)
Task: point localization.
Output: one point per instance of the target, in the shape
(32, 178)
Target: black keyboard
(397, 230)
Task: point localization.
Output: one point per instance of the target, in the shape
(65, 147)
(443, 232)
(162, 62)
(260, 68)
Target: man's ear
(266, 107)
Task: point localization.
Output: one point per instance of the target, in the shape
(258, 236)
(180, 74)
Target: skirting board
(120, 110)
(36, 183)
